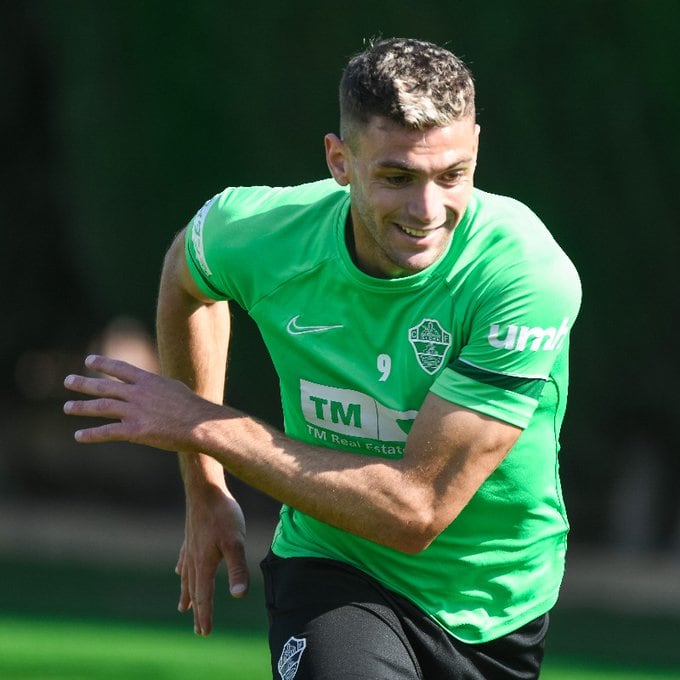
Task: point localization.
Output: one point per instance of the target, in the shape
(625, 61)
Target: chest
(343, 352)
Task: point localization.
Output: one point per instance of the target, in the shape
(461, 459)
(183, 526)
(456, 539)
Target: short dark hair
(411, 82)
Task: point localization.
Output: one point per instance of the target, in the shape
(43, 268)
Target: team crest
(431, 343)
(290, 657)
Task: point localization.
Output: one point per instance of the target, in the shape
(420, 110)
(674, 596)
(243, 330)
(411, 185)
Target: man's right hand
(214, 531)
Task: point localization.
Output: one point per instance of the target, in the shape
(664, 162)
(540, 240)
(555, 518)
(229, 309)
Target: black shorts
(330, 621)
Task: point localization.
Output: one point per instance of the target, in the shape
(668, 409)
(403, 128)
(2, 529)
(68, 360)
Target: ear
(477, 130)
(336, 158)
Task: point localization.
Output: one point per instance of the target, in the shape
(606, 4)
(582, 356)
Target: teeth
(414, 232)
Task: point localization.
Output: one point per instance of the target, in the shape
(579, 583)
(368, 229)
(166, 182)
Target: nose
(426, 204)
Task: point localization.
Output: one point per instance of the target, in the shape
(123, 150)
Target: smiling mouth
(418, 233)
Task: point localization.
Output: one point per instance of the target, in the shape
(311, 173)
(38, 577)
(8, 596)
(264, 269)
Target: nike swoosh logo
(294, 328)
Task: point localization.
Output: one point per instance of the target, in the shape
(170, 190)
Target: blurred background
(119, 119)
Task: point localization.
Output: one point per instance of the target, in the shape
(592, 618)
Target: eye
(453, 176)
(397, 180)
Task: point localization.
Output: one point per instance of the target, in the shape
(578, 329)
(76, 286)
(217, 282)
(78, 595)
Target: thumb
(237, 572)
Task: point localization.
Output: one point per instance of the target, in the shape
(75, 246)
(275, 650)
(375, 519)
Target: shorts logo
(431, 343)
(290, 657)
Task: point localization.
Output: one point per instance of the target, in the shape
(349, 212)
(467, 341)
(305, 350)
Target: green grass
(59, 650)
(76, 622)
(565, 671)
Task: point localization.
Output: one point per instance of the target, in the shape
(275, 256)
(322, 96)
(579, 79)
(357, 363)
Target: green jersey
(485, 327)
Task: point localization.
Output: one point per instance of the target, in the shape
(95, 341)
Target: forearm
(193, 338)
(376, 499)
(402, 503)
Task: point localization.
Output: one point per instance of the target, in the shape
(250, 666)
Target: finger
(115, 368)
(237, 570)
(95, 387)
(202, 601)
(113, 409)
(180, 561)
(182, 569)
(184, 604)
(110, 432)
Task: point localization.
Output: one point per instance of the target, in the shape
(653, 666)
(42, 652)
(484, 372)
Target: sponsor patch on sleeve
(197, 236)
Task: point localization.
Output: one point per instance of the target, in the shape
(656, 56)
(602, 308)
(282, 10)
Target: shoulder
(287, 217)
(496, 218)
(506, 269)
(245, 202)
(240, 217)
(509, 242)
(246, 240)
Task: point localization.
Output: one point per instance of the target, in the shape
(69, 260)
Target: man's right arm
(193, 339)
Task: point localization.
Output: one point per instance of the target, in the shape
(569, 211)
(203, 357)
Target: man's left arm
(403, 504)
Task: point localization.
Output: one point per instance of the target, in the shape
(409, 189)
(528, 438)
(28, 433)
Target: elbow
(416, 531)
(412, 545)
(408, 517)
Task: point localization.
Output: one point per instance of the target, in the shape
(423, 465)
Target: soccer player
(419, 328)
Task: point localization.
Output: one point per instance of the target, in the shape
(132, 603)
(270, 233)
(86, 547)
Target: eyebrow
(401, 165)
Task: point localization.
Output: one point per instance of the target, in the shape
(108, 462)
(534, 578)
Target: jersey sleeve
(222, 241)
(238, 242)
(196, 248)
(519, 330)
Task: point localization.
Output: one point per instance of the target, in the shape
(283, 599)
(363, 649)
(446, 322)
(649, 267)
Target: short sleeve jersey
(485, 327)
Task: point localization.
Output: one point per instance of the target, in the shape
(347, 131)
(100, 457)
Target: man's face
(409, 189)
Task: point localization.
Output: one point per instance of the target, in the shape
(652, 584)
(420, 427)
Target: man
(419, 328)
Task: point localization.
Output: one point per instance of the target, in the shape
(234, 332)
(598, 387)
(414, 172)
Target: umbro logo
(295, 328)
(534, 338)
